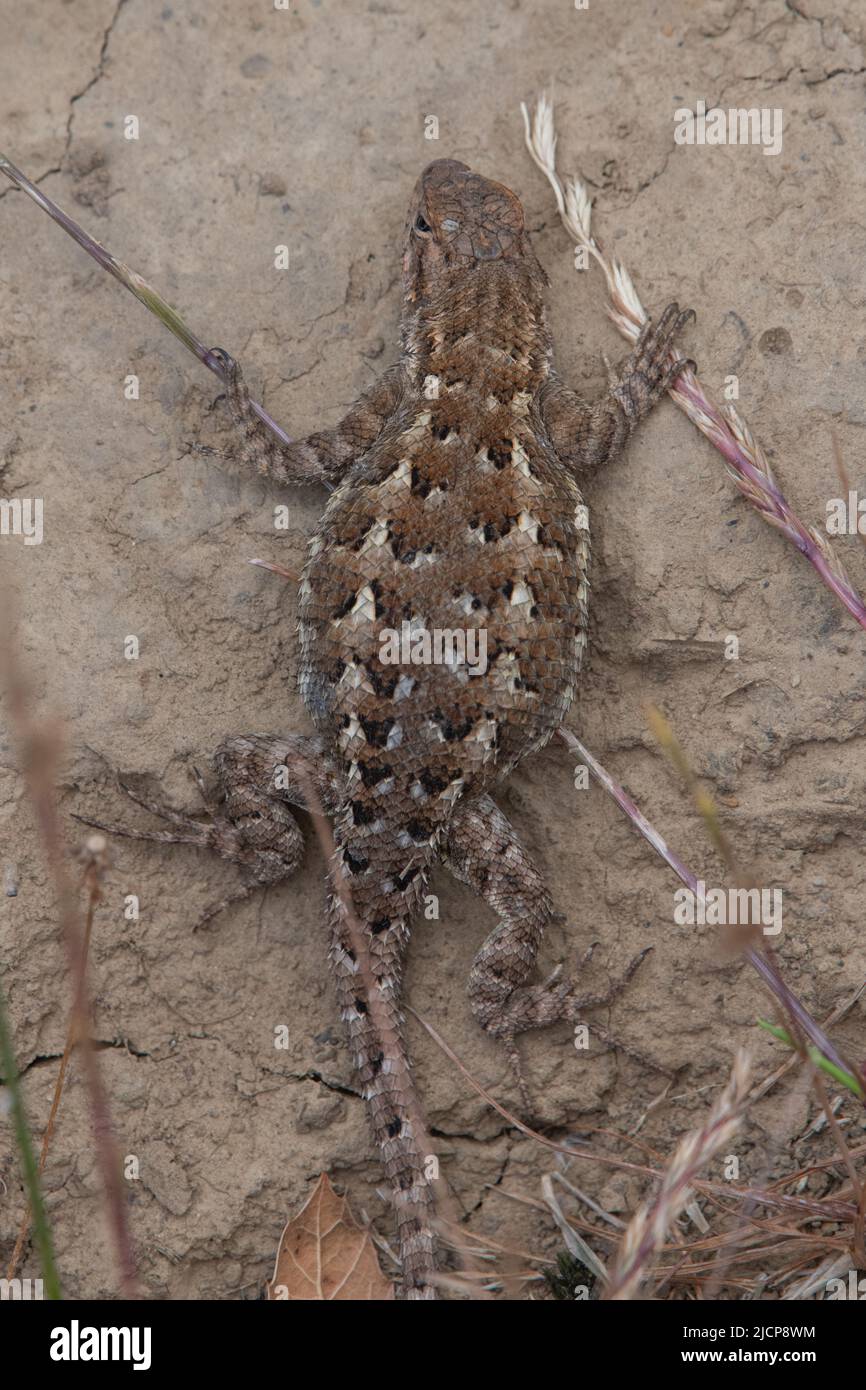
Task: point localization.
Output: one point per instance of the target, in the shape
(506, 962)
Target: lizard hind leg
(249, 822)
(484, 852)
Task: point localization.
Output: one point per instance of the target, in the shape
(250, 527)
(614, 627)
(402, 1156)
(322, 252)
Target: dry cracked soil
(306, 127)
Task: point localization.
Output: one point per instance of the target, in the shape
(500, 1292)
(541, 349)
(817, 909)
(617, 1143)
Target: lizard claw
(225, 359)
(650, 370)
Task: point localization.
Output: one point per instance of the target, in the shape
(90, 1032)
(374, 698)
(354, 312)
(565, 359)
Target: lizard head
(458, 219)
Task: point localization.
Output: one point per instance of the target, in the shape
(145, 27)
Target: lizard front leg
(324, 456)
(248, 821)
(587, 436)
(483, 851)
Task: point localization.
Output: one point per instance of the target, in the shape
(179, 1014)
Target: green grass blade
(41, 1231)
(844, 1078)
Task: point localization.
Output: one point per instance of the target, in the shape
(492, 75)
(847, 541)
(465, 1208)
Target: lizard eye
(421, 224)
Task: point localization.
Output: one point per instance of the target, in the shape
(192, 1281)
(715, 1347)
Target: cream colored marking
(376, 536)
(355, 677)
(421, 557)
(402, 473)
(343, 958)
(352, 730)
(484, 732)
(419, 425)
(521, 593)
(465, 602)
(520, 458)
(364, 606)
(506, 671)
(452, 791)
(527, 522)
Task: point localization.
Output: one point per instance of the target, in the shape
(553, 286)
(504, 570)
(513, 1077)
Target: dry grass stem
(40, 745)
(95, 853)
(645, 1234)
(745, 460)
(132, 281)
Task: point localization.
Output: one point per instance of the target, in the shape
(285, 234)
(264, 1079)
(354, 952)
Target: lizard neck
(484, 328)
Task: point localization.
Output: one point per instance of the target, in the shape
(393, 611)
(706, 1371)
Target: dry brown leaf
(324, 1254)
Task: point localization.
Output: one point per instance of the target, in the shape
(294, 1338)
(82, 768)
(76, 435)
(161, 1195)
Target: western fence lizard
(455, 509)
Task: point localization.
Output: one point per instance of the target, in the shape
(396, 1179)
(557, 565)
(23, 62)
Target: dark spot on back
(431, 783)
(420, 486)
(376, 731)
(342, 610)
(384, 683)
(372, 773)
(356, 863)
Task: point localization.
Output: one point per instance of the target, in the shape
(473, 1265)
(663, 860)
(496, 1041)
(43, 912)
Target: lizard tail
(368, 976)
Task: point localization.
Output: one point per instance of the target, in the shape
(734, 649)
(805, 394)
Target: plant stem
(42, 1233)
(144, 292)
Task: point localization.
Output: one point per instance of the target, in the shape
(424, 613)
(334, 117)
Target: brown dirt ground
(260, 127)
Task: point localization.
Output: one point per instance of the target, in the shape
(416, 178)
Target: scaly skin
(455, 505)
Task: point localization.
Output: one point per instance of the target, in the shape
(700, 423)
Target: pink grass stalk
(745, 460)
(794, 1008)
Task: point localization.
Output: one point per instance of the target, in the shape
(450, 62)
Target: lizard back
(459, 519)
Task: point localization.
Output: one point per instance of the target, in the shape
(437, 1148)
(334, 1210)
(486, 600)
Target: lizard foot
(649, 370)
(537, 1006)
(215, 833)
(248, 819)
